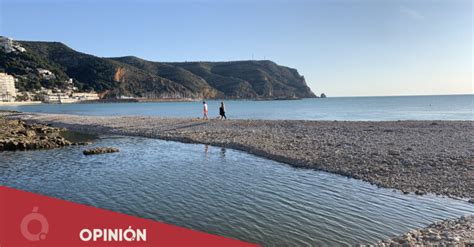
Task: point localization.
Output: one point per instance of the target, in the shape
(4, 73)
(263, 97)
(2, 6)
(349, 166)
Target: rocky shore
(451, 232)
(17, 135)
(410, 156)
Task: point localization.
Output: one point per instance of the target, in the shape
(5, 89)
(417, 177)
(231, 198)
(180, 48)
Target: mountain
(132, 76)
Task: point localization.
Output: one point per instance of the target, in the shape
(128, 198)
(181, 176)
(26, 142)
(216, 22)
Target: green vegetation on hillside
(132, 76)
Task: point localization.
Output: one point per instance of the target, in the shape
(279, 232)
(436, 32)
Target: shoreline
(20, 103)
(143, 100)
(411, 156)
(449, 232)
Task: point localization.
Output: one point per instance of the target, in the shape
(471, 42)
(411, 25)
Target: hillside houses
(7, 88)
(8, 93)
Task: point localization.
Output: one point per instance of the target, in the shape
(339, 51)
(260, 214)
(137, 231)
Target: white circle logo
(41, 235)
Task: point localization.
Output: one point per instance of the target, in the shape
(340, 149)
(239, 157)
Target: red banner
(28, 219)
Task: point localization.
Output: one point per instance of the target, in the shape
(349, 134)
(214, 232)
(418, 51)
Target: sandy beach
(20, 103)
(411, 156)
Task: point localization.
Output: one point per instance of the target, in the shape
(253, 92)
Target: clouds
(411, 13)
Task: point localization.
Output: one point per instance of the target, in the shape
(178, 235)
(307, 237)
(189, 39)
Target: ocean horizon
(357, 108)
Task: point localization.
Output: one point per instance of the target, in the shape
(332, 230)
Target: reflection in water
(222, 154)
(224, 192)
(78, 137)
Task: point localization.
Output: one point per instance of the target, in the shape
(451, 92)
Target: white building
(63, 98)
(7, 88)
(58, 98)
(46, 74)
(85, 96)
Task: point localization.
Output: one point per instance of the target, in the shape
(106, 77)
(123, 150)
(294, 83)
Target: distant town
(9, 93)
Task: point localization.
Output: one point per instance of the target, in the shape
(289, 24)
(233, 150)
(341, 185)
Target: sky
(342, 47)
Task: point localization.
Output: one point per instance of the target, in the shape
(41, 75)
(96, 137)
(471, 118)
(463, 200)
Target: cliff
(132, 76)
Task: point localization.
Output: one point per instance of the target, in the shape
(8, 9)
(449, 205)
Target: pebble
(451, 232)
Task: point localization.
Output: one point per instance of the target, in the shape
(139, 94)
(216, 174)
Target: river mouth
(225, 192)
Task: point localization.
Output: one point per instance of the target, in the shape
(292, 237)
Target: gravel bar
(450, 232)
(411, 156)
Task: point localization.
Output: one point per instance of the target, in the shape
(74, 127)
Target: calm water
(450, 107)
(224, 192)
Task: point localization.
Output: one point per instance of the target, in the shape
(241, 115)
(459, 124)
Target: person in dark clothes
(222, 111)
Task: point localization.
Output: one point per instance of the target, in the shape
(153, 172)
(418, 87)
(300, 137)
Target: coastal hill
(134, 77)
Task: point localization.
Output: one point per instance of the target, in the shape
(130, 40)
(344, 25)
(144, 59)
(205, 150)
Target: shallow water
(448, 107)
(224, 192)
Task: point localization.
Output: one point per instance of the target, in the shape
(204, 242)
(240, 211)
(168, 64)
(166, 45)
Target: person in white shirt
(205, 110)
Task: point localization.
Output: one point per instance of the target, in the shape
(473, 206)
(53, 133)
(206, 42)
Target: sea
(387, 108)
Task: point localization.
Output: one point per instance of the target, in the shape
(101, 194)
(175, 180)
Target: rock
(323, 95)
(30, 133)
(414, 232)
(393, 152)
(419, 192)
(100, 150)
(471, 200)
(82, 143)
(435, 237)
(454, 238)
(18, 135)
(22, 145)
(11, 145)
(31, 145)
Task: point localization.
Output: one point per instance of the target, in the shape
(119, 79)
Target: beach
(410, 156)
(450, 232)
(20, 103)
(353, 128)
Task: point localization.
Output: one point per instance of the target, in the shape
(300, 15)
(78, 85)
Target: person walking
(205, 110)
(222, 111)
